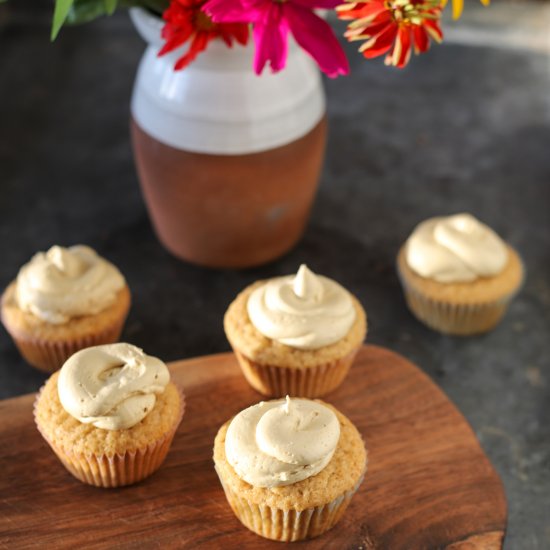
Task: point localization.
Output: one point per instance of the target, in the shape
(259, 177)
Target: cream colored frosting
(281, 442)
(67, 282)
(455, 249)
(304, 311)
(112, 387)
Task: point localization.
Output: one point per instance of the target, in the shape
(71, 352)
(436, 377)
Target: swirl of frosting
(67, 282)
(112, 387)
(455, 249)
(305, 311)
(281, 442)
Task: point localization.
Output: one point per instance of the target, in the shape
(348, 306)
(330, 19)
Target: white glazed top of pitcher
(218, 105)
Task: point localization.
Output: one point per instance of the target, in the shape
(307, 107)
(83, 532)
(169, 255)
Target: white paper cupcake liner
(277, 381)
(49, 356)
(456, 319)
(288, 525)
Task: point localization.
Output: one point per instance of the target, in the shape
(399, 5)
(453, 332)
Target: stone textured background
(464, 128)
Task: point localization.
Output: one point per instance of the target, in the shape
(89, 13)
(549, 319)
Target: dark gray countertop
(465, 128)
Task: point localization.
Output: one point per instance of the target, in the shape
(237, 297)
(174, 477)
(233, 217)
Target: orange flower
(393, 27)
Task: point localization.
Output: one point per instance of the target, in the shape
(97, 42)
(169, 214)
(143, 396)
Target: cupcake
(110, 414)
(64, 300)
(289, 468)
(295, 335)
(458, 275)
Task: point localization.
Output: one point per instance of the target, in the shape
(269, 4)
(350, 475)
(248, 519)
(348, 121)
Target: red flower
(185, 21)
(393, 27)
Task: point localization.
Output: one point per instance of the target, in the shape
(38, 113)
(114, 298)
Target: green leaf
(110, 6)
(84, 11)
(62, 8)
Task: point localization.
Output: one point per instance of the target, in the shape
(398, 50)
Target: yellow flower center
(203, 21)
(408, 12)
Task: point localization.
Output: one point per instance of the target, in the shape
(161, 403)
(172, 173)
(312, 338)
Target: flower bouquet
(393, 28)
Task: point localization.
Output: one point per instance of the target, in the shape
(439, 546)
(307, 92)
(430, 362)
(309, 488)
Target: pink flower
(273, 20)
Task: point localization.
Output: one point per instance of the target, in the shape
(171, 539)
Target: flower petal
(370, 31)
(421, 39)
(318, 4)
(174, 39)
(362, 10)
(271, 39)
(199, 43)
(229, 11)
(458, 6)
(434, 30)
(238, 31)
(379, 44)
(402, 48)
(316, 37)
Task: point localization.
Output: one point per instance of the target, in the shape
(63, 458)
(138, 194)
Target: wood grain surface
(428, 486)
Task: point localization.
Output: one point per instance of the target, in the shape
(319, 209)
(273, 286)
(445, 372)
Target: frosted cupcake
(110, 414)
(62, 301)
(295, 335)
(289, 468)
(458, 275)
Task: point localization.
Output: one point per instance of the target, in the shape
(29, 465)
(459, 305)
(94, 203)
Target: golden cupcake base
(47, 346)
(464, 308)
(115, 469)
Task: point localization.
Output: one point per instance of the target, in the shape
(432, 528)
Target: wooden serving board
(428, 486)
